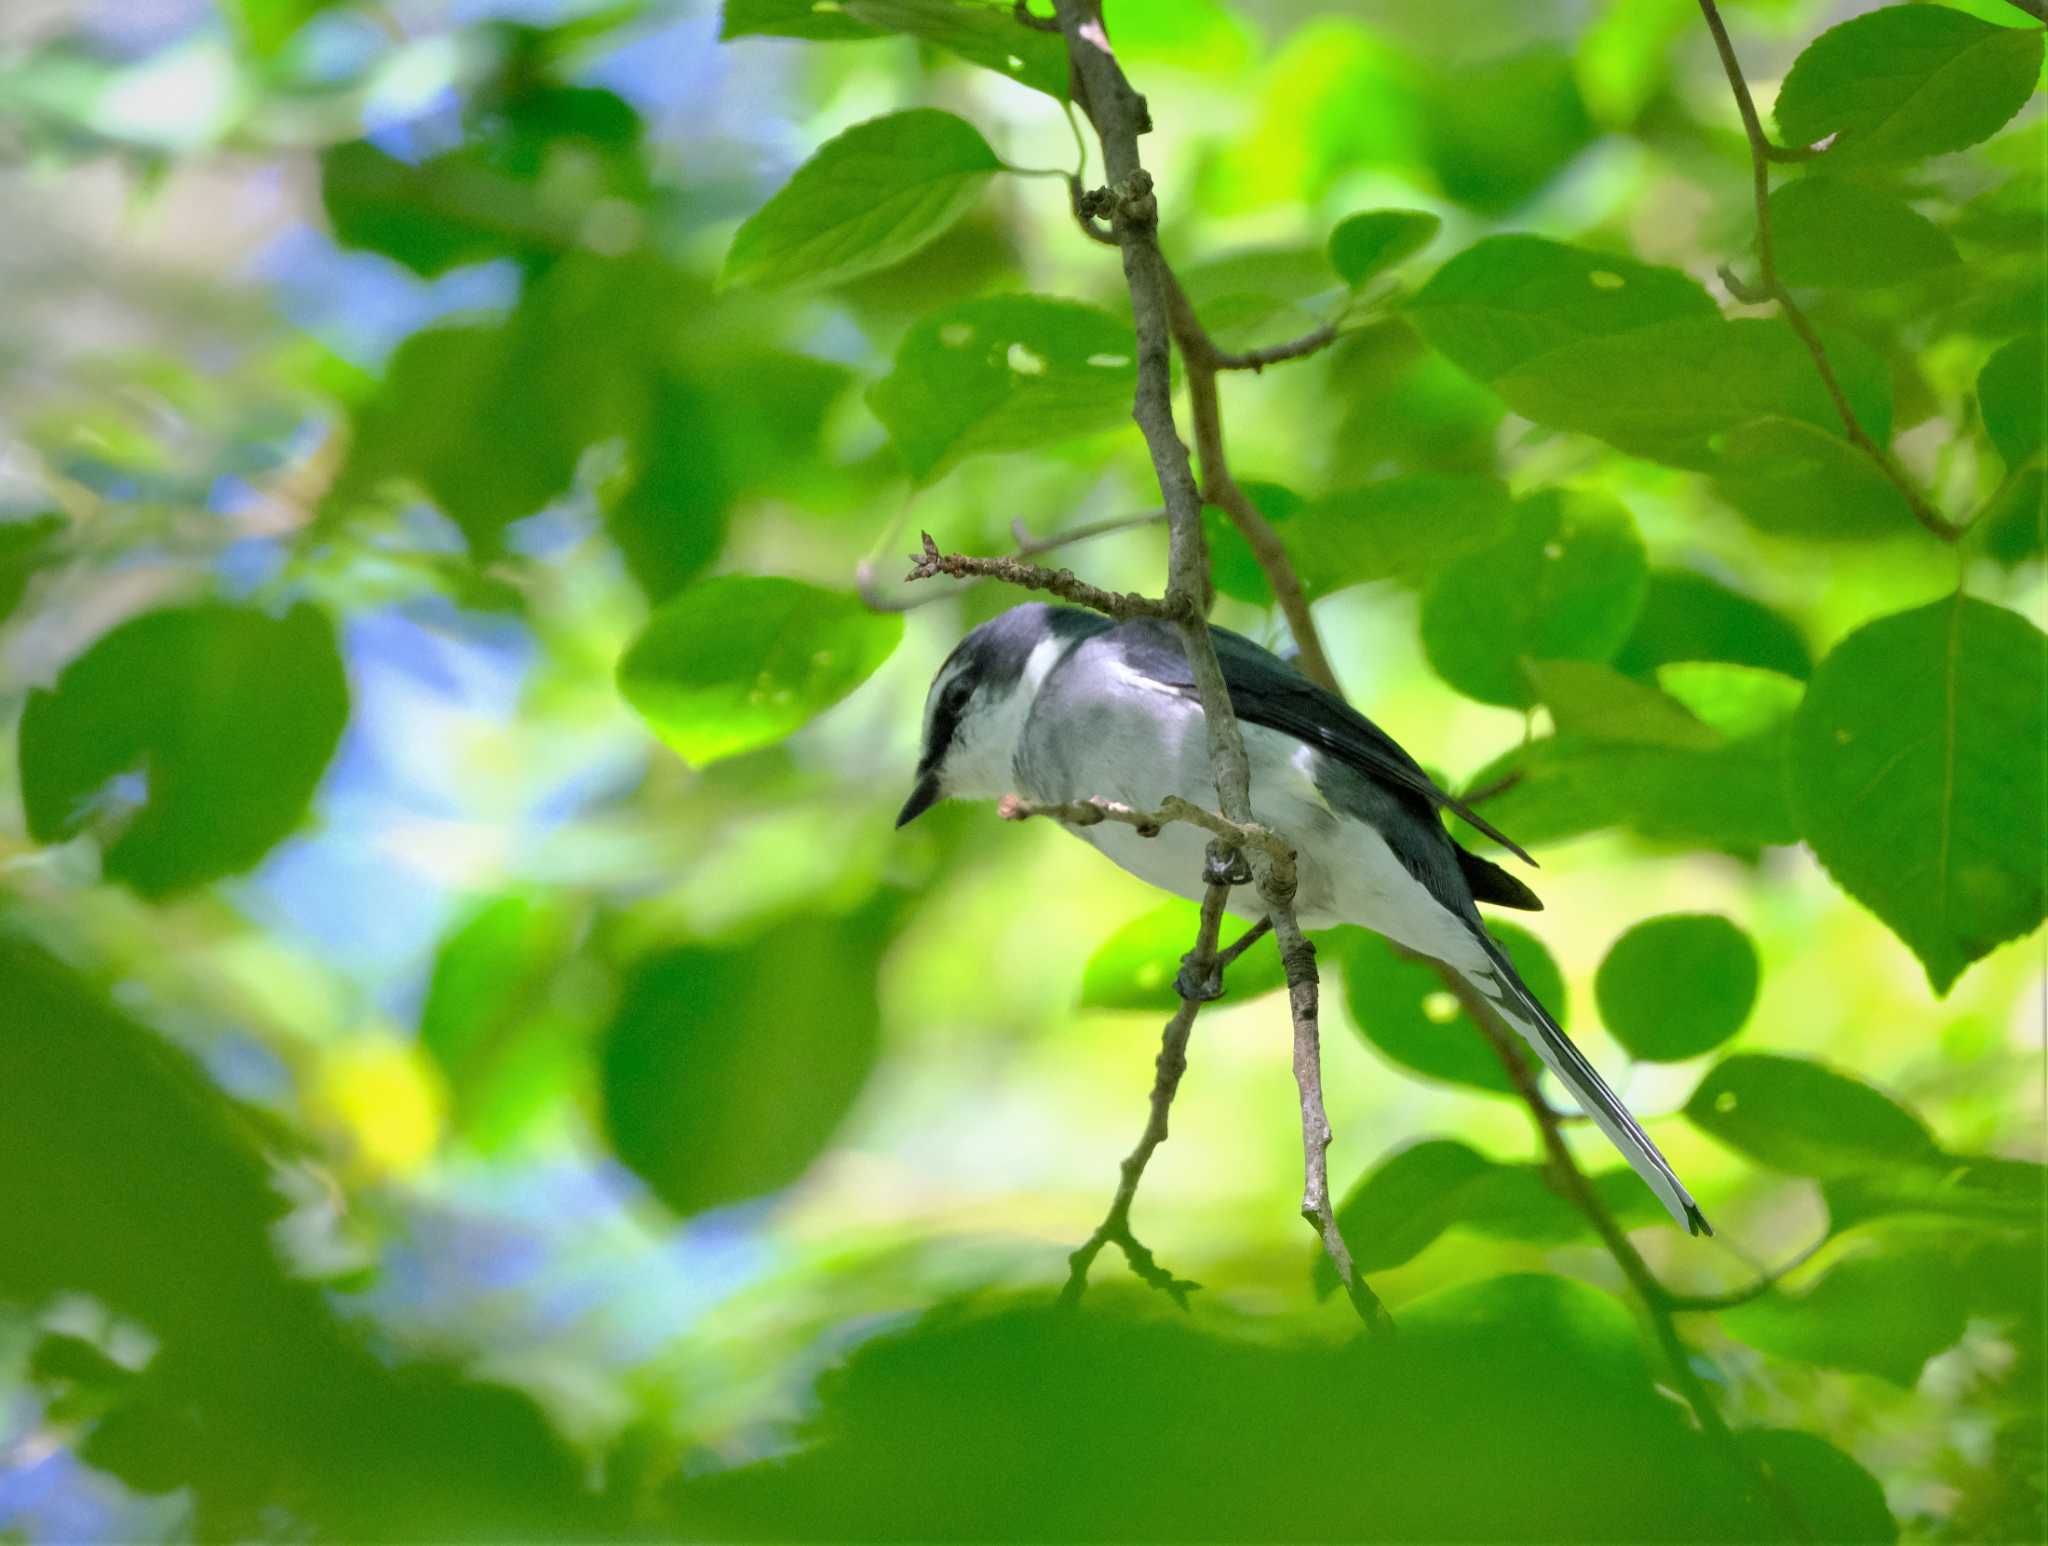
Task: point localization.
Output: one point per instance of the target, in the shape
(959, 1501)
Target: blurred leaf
(2012, 395)
(1802, 480)
(507, 1050)
(1836, 1498)
(1907, 81)
(1981, 1188)
(1363, 246)
(2013, 527)
(226, 716)
(1667, 391)
(1799, 1116)
(1687, 616)
(26, 546)
(1884, 1315)
(1507, 300)
(1008, 373)
(1564, 584)
(1403, 1009)
(1831, 231)
(267, 25)
(1676, 986)
(1918, 760)
(1257, 295)
(737, 662)
(983, 32)
(868, 199)
(670, 520)
(1135, 967)
(792, 19)
(727, 1069)
(1232, 564)
(1397, 1210)
(1738, 701)
(1407, 408)
(1623, 60)
(1597, 703)
(1402, 528)
(1497, 132)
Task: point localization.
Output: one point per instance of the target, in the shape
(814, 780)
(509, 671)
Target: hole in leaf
(1604, 280)
(1725, 1101)
(1016, 65)
(1441, 1007)
(956, 335)
(1024, 362)
(1109, 361)
(1553, 550)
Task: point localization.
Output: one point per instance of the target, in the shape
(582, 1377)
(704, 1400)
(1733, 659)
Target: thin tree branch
(1770, 287)
(1029, 546)
(1120, 115)
(1121, 605)
(1763, 1284)
(1256, 360)
(1247, 837)
(1244, 942)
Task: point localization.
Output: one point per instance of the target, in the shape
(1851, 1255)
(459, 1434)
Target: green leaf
(1918, 761)
(267, 25)
(1232, 564)
(1979, 1188)
(1836, 1498)
(983, 32)
(1884, 1315)
(1687, 616)
(726, 1069)
(868, 199)
(1833, 232)
(1804, 481)
(26, 547)
(1007, 373)
(508, 1045)
(1403, 528)
(1258, 295)
(1135, 967)
(1496, 131)
(1564, 584)
(1676, 986)
(226, 716)
(1907, 81)
(1669, 390)
(1597, 703)
(2012, 395)
(1738, 701)
(1799, 1116)
(1403, 1009)
(1506, 300)
(1364, 246)
(737, 662)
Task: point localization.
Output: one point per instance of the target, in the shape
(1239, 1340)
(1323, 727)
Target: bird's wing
(1265, 690)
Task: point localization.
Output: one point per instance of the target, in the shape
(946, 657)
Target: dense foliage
(478, 1062)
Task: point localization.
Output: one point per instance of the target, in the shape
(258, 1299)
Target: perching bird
(1057, 705)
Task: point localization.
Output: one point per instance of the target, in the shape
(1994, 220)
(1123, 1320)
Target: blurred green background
(460, 1087)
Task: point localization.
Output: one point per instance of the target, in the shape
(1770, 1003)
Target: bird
(1056, 705)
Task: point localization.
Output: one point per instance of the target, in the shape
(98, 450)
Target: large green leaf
(1008, 373)
(225, 718)
(1802, 1117)
(1676, 986)
(1496, 131)
(1834, 232)
(1593, 702)
(1136, 966)
(1980, 1188)
(1402, 1008)
(726, 1069)
(1836, 1498)
(26, 546)
(1918, 762)
(1803, 480)
(738, 662)
(1366, 245)
(2012, 396)
(1403, 528)
(983, 32)
(1506, 300)
(1687, 616)
(1884, 1315)
(1564, 584)
(1907, 81)
(867, 199)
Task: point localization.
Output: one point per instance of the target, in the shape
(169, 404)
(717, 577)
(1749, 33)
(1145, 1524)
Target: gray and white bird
(1057, 704)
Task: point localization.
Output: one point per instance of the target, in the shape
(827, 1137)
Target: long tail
(1501, 987)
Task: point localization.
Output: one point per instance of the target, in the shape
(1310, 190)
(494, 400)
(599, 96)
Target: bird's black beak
(922, 799)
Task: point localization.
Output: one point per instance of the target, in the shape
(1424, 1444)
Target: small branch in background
(1769, 287)
(1244, 942)
(1029, 546)
(1121, 605)
(1763, 1284)
(1256, 360)
(1115, 1228)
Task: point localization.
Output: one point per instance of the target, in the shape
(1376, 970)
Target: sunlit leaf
(267, 25)
(737, 662)
(727, 1068)
(1136, 966)
(188, 741)
(1564, 584)
(1676, 986)
(867, 199)
(1009, 373)
(1834, 232)
(1918, 760)
(1799, 1116)
(1738, 701)
(1597, 703)
(1906, 81)
(1884, 1315)
(1366, 245)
